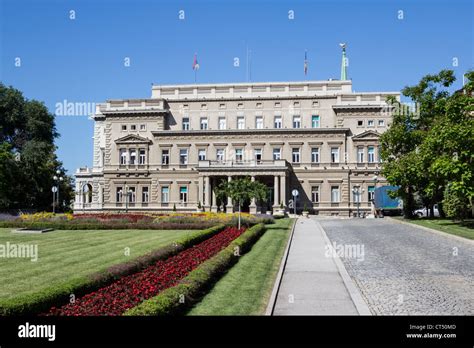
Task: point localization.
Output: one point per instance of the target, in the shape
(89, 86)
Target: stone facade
(172, 149)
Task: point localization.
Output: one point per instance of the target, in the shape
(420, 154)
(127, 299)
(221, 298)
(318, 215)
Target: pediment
(367, 135)
(133, 139)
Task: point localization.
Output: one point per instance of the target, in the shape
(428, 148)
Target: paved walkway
(311, 282)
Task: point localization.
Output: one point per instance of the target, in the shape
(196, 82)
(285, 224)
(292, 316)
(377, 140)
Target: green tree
(241, 190)
(424, 151)
(27, 154)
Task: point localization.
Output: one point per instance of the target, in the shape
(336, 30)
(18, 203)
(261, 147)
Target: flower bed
(131, 221)
(131, 290)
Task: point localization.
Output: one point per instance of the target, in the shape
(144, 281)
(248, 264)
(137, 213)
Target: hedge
(177, 299)
(58, 294)
(67, 225)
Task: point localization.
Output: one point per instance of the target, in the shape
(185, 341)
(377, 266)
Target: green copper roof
(343, 63)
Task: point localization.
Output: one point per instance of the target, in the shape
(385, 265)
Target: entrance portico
(272, 173)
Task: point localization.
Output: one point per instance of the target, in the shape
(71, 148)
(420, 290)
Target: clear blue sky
(82, 60)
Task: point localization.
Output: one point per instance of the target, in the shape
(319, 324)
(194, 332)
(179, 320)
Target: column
(253, 205)
(283, 189)
(229, 207)
(199, 191)
(276, 196)
(214, 202)
(207, 203)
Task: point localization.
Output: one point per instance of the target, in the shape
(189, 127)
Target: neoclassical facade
(171, 150)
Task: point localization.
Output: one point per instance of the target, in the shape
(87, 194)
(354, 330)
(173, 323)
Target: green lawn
(67, 255)
(246, 288)
(465, 229)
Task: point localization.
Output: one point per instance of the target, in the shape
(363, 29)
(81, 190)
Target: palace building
(173, 149)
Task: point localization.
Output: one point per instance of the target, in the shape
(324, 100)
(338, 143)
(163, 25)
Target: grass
(67, 255)
(462, 229)
(246, 288)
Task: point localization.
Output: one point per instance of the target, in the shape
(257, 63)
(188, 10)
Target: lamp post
(375, 179)
(358, 191)
(57, 180)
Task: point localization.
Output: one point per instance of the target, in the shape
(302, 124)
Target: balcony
(247, 165)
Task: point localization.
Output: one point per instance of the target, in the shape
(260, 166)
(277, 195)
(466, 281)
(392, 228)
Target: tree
(427, 150)
(241, 190)
(27, 154)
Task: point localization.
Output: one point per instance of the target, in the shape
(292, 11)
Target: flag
(195, 62)
(306, 63)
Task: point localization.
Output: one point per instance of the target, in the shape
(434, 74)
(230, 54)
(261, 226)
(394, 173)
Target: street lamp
(357, 192)
(57, 180)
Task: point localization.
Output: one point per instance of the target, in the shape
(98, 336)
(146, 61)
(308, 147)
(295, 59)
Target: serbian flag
(306, 63)
(195, 62)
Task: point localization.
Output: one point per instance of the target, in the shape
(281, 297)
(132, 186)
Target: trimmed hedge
(68, 225)
(57, 294)
(176, 300)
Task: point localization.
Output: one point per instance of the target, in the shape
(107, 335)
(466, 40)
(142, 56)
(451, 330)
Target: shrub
(195, 284)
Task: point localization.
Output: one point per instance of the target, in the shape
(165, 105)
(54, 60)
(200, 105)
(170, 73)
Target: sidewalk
(311, 282)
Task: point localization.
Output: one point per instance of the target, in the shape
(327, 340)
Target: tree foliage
(27, 154)
(432, 147)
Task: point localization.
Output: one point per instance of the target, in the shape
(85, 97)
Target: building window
(315, 194)
(360, 154)
(202, 155)
(141, 159)
(203, 123)
(124, 127)
(315, 104)
(277, 154)
(183, 194)
(165, 156)
(240, 122)
(258, 155)
(360, 123)
(259, 122)
(371, 193)
(186, 106)
(239, 155)
(133, 127)
(222, 123)
(133, 156)
(143, 127)
(315, 155)
(185, 123)
(259, 105)
(295, 155)
(370, 123)
(145, 194)
(165, 194)
(371, 154)
(183, 156)
(315, 121)
(277, 104)
(204, 106)
(222, 106)
(335, 198)
(132, 196)
(123, 156)
(277, 122)
(381, 123)
(297, 121)
(240, 105)
(334, 154)
(296, 104)
(118, 196)
(220, 155)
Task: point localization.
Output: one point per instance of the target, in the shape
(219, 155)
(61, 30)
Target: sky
(88, 51)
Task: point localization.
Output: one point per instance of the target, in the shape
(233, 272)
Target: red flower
(129, 291)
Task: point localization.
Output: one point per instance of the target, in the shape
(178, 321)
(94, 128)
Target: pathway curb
(351, 287)
(432, 230)
(276, 286)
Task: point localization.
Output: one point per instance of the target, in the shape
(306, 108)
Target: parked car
(423, 212)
